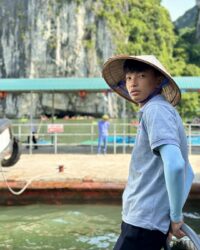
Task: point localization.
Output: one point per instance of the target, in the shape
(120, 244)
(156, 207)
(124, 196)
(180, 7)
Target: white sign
(55, 128)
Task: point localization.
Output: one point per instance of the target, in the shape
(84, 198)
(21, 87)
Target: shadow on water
(69, 227)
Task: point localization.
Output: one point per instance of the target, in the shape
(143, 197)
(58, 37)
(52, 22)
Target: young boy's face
(141, 84)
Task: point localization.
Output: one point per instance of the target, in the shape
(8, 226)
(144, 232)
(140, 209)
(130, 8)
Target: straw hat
(113, 74)
(105, 117)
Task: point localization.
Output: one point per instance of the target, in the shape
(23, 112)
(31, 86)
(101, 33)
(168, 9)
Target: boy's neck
(143, 104)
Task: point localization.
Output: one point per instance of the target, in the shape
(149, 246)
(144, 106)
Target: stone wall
(53, 38)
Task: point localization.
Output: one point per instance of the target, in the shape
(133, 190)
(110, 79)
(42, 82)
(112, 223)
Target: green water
(67, 227)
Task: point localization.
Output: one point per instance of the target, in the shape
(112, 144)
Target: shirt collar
(153, 99)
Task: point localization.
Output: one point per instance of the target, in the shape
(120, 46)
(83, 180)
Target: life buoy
(15, 155)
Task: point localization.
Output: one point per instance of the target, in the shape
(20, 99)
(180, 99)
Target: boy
(160, 175)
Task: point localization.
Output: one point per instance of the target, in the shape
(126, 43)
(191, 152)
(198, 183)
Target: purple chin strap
(156, 91)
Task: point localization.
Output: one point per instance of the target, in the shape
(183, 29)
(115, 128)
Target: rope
(25, 186)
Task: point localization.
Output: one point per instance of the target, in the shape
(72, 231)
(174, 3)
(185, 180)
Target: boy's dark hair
(136, 66)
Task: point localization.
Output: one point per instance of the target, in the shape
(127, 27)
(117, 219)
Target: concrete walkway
(77, 167)
(88, 172)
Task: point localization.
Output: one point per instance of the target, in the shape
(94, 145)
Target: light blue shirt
(145, 198)
(103, 127)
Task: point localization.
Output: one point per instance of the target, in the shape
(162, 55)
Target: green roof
(53, 84)
(188, 82)
(76, 84)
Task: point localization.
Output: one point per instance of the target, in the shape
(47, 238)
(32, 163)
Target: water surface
(68, 227)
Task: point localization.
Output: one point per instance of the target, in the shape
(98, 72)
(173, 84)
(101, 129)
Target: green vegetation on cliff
(145, 27)
(189, 106)
(140, 27)
(187, 49)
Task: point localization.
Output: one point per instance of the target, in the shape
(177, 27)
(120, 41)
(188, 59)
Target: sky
(178, 7)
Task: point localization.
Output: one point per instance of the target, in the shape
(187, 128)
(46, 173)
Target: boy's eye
(128, 78)
(141, 75)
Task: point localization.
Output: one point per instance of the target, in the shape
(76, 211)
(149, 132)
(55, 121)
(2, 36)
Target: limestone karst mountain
(73, 38)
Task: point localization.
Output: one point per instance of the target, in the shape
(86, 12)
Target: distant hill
(188, 19)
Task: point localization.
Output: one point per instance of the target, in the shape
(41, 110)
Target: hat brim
(113, 73)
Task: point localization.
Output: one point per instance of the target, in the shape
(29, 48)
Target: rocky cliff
(53, 38)
(64, 38)
(198, 21)
(191, 18)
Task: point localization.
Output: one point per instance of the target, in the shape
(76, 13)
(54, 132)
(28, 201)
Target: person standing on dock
(160, 175)
(103, 127)
(32, 137)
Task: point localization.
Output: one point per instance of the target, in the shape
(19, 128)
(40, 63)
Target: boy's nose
(133, 81)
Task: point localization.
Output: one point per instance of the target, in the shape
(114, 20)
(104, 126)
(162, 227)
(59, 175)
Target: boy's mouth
(134, 92)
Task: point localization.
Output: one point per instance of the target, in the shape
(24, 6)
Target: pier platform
(73, 178)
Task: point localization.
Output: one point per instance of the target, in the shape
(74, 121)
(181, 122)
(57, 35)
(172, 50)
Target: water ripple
(195, 216)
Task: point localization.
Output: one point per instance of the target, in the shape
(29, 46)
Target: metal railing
(85, 135)
(193, 135)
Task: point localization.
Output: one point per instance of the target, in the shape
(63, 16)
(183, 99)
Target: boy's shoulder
(160, 103)
(159, 107)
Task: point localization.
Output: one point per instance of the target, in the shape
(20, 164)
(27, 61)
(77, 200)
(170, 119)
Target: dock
(73, 178)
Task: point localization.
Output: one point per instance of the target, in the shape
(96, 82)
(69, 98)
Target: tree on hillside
(189, 106)
(140, 27)
(145, 27)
